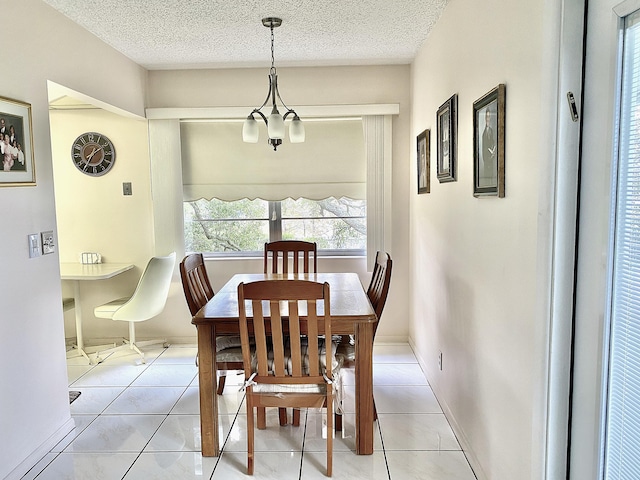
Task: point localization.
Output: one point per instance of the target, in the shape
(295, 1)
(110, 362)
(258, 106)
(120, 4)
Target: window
(622, 443)
(237, 196)
(242, 227)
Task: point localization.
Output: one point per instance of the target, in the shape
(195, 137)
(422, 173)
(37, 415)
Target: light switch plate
(34, 245)
(48, 246)
(126, 188)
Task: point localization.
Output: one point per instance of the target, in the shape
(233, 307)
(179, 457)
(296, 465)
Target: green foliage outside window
(244, 225)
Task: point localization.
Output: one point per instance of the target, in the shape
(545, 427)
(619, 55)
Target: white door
(602, 443)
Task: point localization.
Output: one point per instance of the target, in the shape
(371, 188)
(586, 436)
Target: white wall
(477, 257)
(34, 408)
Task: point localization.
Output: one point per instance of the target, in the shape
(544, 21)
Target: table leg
(208, 398)
(79, 346)
(364, 388)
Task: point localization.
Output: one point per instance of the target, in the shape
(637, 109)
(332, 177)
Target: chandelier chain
(273, 60)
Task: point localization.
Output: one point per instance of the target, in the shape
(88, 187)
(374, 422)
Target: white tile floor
(137, 421)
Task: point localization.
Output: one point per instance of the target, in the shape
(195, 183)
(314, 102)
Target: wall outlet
(48, 245)
(440, 361)
(126, 188)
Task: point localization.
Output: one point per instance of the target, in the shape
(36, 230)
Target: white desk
(77, 272)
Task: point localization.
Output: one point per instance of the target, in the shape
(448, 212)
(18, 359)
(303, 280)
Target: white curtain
(216, 163)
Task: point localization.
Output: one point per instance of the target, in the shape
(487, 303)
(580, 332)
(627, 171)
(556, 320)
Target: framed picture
(488, 143)
(447, 121)
(423, 162)
(17, 167)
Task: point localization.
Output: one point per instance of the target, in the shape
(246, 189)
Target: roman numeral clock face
(93, 154)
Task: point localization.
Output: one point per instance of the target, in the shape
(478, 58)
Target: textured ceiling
(168, 34)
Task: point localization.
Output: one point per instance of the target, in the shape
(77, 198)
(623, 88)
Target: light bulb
(275, 124)
(296, 130)
(250, 132)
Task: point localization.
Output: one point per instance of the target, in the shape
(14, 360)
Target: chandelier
(275, 121)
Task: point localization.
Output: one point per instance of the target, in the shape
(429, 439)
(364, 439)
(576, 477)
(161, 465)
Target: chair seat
(108, 309)
(283, 388)
(229, 355)
(306, 388)
(228, 341)
(280, 389)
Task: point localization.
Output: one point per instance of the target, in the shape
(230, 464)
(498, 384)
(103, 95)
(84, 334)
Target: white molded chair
(147, 301)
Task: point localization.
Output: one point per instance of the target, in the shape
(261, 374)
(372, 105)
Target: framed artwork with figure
(447, 121)
(423, 162)
(17, 167)
(488, 143)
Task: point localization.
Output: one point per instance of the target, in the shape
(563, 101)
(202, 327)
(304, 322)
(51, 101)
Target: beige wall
(91, 226)
(478, 257)
(94, 215)
(47, 46)
(313, 86)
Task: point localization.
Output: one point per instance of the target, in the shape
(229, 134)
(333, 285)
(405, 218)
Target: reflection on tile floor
(141, 421)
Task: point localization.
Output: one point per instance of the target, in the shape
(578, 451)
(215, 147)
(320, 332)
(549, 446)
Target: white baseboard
(458, 432)
(39, 453)
(391, 340)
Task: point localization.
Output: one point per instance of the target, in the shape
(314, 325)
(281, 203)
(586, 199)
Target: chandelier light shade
(276, 121)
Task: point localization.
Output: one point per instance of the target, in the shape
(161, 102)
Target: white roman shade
(216, 163)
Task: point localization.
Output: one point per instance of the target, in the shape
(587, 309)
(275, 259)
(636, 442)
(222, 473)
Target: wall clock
(93, 154)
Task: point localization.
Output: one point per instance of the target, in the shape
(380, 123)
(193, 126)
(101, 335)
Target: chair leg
(221, 381)
(262, 418)
(296, 417)
(250, 437)
(282, 413)
(329, 435)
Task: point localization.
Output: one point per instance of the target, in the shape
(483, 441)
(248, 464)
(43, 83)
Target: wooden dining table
(351, 313)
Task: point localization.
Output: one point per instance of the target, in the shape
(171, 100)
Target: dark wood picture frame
(423, 160)
(17, 166)
(489, 143)
(447, 122)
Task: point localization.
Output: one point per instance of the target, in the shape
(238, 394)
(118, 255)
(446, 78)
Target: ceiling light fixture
(275, 121)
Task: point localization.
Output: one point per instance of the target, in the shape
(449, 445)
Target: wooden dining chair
(290, 256)
(280, 254)
(197, 292)
(377, 292)
(287, 370)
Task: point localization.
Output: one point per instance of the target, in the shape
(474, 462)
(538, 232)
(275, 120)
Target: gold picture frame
(17, 166)
(423, 160)
(489, 143)
(447, 121)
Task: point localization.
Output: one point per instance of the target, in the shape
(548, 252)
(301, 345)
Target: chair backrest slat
(277, 340)
(312, 327)
(260, 340)
(294, 340)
